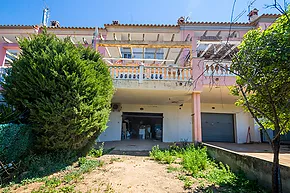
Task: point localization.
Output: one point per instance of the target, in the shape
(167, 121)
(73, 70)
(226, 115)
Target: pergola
(142, 43)
(220, 49)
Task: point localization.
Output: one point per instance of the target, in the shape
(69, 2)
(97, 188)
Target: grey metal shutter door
(285, 138)
(270, 133)
(217, 127)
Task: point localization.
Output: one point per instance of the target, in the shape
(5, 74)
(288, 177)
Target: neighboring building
(163, 75)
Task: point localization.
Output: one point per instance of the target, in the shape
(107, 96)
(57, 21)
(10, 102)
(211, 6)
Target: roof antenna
(250, 5)
(45, 15)
(188, 18)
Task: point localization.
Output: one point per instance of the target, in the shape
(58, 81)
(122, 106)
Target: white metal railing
(142, 72)
(218, 69)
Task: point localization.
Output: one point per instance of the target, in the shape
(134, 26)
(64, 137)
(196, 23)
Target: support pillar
(196, 118)
(2, 55)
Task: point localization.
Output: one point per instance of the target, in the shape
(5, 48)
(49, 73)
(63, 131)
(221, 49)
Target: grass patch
(65, 184)
(196, 163)
(36, 168)
(163, 156)
(115, 159)
(171, 169)
(187, 181)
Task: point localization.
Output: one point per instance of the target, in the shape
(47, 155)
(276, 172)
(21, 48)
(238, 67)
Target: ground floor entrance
(217, 127)
(142, 126)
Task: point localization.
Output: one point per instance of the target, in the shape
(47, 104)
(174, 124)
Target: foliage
(196, 162)
(194, 159)
(263, 82)
(60, 182)
(8, 114)
(162, 155)
(64, 184)
(263, 75)
(34, 167)
(97, 152)
(187, 182)
(66, 89)
(15, 141)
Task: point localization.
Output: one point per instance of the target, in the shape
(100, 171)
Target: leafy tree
(66, 91)
(263, 83)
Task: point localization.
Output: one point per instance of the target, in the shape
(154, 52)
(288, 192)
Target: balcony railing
(213, 69)
(142, 73)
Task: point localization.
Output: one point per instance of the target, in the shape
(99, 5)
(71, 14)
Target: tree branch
(253, 115)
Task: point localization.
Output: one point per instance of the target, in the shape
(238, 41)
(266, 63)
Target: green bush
(15, 141)
(194, 160)
(66, 89)
(37, 166)
(97, 152)
(164, 156)
(8, 114)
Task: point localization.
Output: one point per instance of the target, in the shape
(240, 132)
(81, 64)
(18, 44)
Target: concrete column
(196, 118)
(141, 66)
(197, 73)
(2, 55)
(102, 50)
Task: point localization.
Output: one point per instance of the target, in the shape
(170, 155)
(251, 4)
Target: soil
(124, 174)
(131, 174)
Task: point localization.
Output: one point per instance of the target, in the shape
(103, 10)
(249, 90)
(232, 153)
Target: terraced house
(172, 81)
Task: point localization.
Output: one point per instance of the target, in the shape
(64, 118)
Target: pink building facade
(171, 81)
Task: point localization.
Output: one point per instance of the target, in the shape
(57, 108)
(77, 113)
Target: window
(138, 53)
(150, 53)
(126, 53)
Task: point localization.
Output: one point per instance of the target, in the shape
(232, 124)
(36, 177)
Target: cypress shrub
(65, 89)
(15, 142)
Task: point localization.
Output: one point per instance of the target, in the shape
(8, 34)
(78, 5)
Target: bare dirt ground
(131, 174)
(122, 174)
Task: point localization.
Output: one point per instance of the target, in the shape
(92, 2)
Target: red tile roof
(141, 25)
(215, 23)
(49, 27)
(150, 25)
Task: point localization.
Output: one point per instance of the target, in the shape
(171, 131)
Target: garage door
(217, 127)
(284, 138)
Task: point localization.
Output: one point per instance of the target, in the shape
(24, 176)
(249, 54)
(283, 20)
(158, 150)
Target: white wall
(113, 131)
(243, 120)
(177, 122)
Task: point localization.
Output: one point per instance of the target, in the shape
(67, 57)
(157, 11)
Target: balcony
(214, 69)
(150, 73)
(151, 77)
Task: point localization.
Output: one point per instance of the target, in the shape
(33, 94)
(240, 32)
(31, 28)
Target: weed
(196, 161)
(182, 177)
(6, 190)
(115, 159)
(163, 156)
(53, 182)
(67, 189)
(171, 169)
(97, 152)
(73, 176)
(85, 166)
(187, 182)
(109, 189)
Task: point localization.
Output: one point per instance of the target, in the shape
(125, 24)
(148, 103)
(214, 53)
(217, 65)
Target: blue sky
(96, 13)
